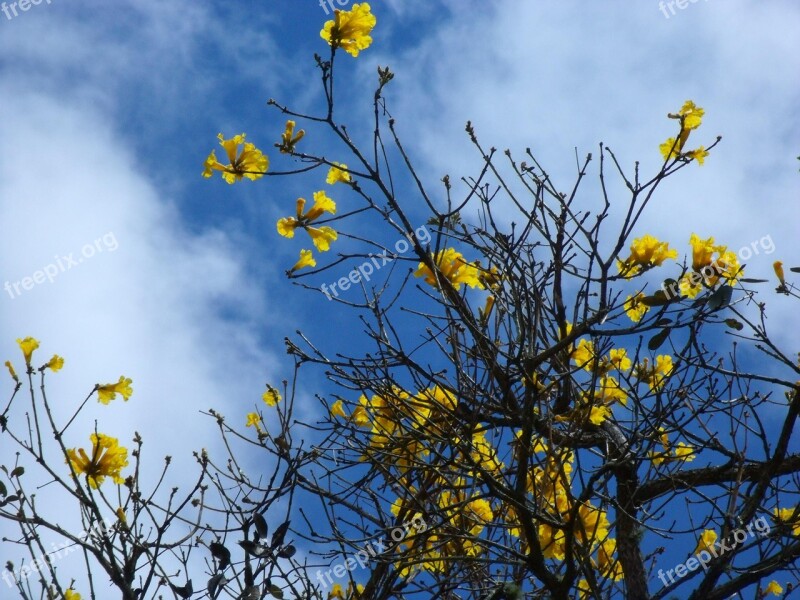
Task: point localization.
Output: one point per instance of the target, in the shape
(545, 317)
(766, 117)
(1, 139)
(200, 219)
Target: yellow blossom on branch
(54, 364)
(777, 266)
(289, 139)
(71, 595)
(272, 396)
(350, 29)
(584, 355)
(788, 516)
(108, 392)
(681, 452)
(773, 588)
(635, 308)
(320, 236)
(706, 541)
(711, 261)
(28, 345)
(453, 267)
(306, 260)
(108, 459)
(251, 163)
(254, 420)
(338, 173)
(656, 375)
(690, 117)
(11, 370)
(646, 252)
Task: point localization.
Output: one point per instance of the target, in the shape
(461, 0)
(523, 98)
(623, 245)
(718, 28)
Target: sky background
(110, 108)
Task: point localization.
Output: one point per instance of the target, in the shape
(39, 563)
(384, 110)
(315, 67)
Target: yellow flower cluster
(690, 117)
(681, 452)
(250, 163)
(790, 517)
(107, 459)
(108, 392)
(655, 375)
(339, 593)
(350, 29)
(454, 268)
(646, 252)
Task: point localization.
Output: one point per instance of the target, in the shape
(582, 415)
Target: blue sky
(109, 110)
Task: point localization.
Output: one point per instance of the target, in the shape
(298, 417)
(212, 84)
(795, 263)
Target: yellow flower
(584, 355)
(454, 268)
(71, 595)
(289, 139)
(635, 308)
(584, 590)
(618, 358)
(606, 563)
(120, 512)
(669, 149)
(592, 525)
(787, 516)
(777, 266)
(336, 592)
(773, 588)
(337, 409)
(321, 236)
(706, 542)
(551, 541)
(726, 264)
(338, 172)
(254, 420)
(251, 163)
(682, 452)
(610, 391)
(11, 370)
(306, 260)
(699, 155)
(655, 376)
(702, 251)
(272, 396)
(479, 513)
(646, 252)
(28, 345)
(690, 116)
(350, 29)
(107, 460)
(55, 364)
(108, 392)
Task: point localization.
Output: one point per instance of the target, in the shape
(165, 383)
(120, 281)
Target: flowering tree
(542, 403)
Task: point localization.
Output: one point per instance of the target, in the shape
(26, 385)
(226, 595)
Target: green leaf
(275, 591)
(794, 269)
(658, 339)
(17, 472)
(3, 489)
(261, 525)
(657, 299)
(748, 280)
(720, 298)
(734, 324)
